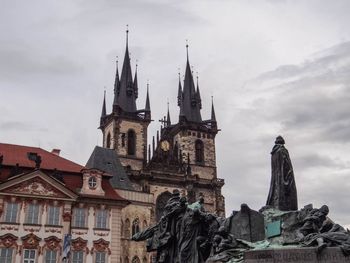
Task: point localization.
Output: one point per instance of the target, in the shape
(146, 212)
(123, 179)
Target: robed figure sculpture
(283, 192)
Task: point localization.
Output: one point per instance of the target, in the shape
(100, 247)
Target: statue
(283, 192)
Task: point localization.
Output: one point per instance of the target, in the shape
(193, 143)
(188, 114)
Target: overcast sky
(273, 67)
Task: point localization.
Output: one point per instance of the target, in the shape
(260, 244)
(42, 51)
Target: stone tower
(125, 129)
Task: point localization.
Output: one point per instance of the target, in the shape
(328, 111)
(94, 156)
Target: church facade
(181, 156)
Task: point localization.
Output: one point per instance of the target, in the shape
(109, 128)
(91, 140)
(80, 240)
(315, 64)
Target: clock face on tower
(165, 146)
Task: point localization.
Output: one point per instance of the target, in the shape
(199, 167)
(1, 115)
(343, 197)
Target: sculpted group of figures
(186, 233)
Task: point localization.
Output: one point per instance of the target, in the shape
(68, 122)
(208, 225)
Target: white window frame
(53, 218)
(79, 260)
(11, 215)
(29, 259)
(51, 259)
(101, 219)
(8, 255)
(32, 214)
(98, 258)
(79, 213)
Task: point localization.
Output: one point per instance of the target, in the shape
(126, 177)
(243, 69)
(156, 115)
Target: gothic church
(180, 157)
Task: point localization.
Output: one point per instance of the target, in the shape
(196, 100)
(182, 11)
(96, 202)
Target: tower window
(131, 142)
(108, 142)
(199, 146)
(135, 226)
(123, 139)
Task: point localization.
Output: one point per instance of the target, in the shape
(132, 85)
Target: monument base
(299, 255)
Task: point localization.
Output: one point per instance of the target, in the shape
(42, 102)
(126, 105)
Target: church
(180, 157)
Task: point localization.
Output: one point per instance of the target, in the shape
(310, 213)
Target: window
(199, 151)
(53, 216)
(108, 142)
(92, 182)
(32, 214)
(135, 226)
(136, 260)
(51, 256)
(101, 218)
(6, 255)
(29, 256)
(79, 217)
(100, 257)
(131, 142)
(78, 257)
(123, 139)
(11, 212)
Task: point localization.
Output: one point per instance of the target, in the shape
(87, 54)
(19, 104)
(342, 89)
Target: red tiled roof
(18, 154)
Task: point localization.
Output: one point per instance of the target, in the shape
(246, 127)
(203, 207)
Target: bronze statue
(283, 192)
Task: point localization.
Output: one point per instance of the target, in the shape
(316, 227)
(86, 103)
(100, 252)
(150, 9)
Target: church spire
(190, 106)
(147, 107)
(127, 97)
(104, 112)
(136, 88)
(168, 121)
(116, 85)
(213, 118)
(198, 95)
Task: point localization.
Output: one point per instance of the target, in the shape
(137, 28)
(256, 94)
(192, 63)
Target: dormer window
(92, 182)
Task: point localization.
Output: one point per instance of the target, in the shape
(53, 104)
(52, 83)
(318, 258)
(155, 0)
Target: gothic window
(126, 260)
(136, 260)
(135, 226)
(131, 142)
(11, 212)
(53, 217)
(144, 260)
(127, 228)
(101, 218)
(108, 142)
(32, 215)
(199, 146)
(162, 199)
(123, 139)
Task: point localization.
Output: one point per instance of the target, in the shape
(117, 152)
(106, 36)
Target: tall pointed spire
(168, 121)
(127, 97)
(148, 106)
(136, 88)
(198, 95)
(104, 112)
(190, 108)
(116, 85)
(213, 117)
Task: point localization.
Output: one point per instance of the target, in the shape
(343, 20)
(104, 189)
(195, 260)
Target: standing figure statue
(283, 192)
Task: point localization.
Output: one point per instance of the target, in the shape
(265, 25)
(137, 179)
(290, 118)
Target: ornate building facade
(52, 209)
(182, 155)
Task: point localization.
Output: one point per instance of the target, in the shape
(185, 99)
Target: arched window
(144, 224)
(127, 228)
(144, 260)
(199, 151)
(135, 260)
(108, 141)
(162, 199)
(135, 226)
(126, 260)
(131, 142)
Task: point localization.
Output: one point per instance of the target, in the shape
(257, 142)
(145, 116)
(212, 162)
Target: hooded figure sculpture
(283, 192)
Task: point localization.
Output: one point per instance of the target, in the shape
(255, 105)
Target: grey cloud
(19, 126)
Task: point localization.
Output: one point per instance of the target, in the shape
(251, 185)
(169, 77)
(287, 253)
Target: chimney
(56, 152)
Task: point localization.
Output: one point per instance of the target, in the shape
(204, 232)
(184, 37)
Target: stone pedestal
(299, 255)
